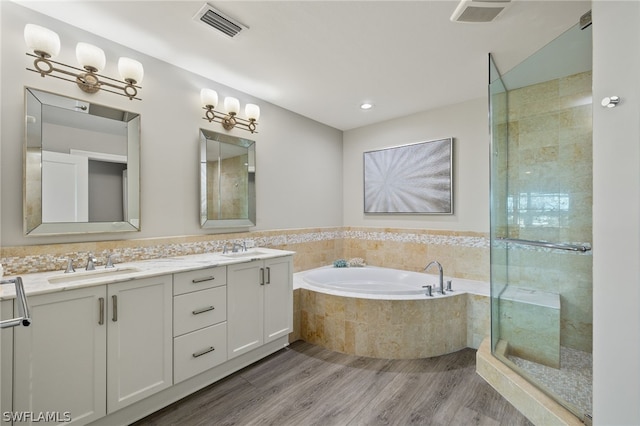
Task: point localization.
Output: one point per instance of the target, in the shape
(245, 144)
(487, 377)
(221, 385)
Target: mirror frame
(250, 221)
(32, 195)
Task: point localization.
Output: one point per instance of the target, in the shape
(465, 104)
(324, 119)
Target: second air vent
(219, 21)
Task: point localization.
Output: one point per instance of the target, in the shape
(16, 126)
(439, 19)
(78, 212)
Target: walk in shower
(541, 200)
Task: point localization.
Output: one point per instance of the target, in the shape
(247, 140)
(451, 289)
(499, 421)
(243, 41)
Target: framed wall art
(414, 179)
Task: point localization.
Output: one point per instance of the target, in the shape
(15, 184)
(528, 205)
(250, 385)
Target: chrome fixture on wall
(610, 101)
(45, 45)
(229, 120)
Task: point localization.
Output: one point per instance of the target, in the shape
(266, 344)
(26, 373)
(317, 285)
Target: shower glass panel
(541, 198)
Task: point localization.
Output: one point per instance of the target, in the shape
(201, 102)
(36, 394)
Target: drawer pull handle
(202, 310)
(204, 351)
(200, 280)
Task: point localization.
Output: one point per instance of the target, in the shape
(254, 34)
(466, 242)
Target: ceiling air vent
(478, 11)
(219, 21)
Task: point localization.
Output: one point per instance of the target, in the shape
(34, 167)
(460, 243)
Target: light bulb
(41, 40)
(252, 112)
(209, 97)
(130, 70)
(90, 57)
(231, 105)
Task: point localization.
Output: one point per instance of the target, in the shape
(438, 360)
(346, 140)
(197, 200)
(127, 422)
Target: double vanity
(111, 346)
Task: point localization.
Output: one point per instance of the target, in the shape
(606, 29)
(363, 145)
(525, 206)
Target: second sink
(89, 275)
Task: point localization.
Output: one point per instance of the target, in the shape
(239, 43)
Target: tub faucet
(90, 263)
(441, 278)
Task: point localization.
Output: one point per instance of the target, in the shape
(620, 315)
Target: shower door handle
(558, 246)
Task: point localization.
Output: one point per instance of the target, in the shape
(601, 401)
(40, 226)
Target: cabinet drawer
(192, 311)
(186, 282)
(201, 350)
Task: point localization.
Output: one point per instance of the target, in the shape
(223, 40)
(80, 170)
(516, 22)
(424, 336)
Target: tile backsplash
(462, 254)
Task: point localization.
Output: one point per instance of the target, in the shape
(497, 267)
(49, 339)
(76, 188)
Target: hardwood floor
(308, 385)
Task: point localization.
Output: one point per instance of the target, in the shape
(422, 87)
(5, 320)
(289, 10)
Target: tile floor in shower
(571, 382)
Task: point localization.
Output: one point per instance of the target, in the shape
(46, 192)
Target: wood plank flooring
(309, 385)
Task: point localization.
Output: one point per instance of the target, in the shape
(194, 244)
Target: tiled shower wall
(462, 254)
(549, 174)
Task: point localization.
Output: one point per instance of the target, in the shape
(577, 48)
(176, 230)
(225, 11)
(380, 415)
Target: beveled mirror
(227, 181)
(82, 166)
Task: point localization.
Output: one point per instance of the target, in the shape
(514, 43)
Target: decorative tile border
(448, 238)
(49, 257)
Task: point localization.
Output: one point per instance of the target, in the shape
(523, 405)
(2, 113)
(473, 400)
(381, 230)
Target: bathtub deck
(307, 385)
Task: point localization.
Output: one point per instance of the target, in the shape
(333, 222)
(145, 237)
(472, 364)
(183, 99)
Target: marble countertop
(55, 281)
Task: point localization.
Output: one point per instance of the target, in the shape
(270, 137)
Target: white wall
(467, 124)
(293, 153)
(616, 214)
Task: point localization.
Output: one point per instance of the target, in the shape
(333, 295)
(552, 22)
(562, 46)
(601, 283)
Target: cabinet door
(60, 359)
(278, 298)
(139, 340)
(245, 307)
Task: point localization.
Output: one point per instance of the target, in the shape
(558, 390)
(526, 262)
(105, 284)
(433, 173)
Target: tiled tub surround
(393, 327)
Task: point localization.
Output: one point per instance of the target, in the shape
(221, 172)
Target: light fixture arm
(86, 79)
(229, 121)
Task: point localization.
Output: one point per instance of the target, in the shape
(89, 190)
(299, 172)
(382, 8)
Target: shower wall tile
(550, 154)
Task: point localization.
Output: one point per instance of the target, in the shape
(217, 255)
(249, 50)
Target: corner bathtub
(384, 313)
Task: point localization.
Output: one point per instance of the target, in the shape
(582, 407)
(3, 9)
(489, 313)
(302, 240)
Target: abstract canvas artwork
(415, 178)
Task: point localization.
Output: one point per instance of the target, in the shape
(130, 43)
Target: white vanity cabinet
(199, 321)
(94, 350)
(260, 303)
(139, 361)
(60, 360)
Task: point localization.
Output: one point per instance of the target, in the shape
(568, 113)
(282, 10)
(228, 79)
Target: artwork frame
(415, 178)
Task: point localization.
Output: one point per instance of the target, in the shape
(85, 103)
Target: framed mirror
(82, 166)
(227, 181)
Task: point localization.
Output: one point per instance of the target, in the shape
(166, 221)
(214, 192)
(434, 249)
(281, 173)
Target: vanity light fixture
(229, 119)
(45, 44)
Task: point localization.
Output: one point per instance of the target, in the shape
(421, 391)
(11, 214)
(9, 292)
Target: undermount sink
(89, 275)
(248, 253)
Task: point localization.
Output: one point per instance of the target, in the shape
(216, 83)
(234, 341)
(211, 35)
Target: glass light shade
(89, 55)
(130, 69)
(209, 97)
(41, 39)
(231, 105)
(252, 112)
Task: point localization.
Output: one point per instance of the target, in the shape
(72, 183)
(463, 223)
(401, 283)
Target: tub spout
(440, 273)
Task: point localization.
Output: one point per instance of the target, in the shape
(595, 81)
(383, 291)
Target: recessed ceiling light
(366, 106)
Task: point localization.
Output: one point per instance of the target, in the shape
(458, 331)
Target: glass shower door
(541, 197)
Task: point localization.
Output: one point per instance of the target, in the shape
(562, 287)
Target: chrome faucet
(224, 248)
(70, 267)
(109, 262)
(239, 247)
(440, 273)
(90, 263)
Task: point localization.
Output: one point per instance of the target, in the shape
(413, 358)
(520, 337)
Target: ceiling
(322, 59)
